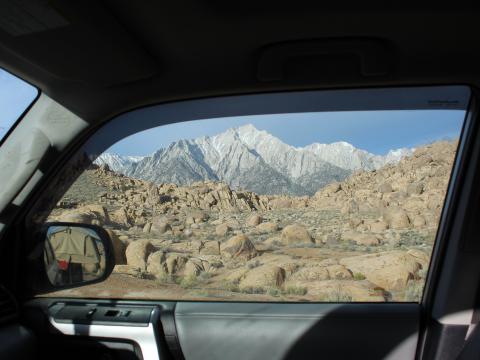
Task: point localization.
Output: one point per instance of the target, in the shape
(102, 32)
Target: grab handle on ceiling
(373, 55)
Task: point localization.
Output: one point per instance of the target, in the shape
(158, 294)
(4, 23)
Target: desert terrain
(368, 238)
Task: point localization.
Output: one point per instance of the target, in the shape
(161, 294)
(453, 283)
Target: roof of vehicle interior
(100, 58)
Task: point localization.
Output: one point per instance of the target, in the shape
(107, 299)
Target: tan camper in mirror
(73, 254)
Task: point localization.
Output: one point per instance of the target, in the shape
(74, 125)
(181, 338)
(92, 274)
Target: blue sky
(374, 131)
(15, 96)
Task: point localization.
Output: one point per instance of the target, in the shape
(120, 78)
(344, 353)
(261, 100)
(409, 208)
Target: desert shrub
(414, 287)
(338, 296)
(359, 276)
(259, 238)
(254, 264)
(303, 245)
(188, 282)
(295, 290)
(229, 286)
(202, 293)
(349, 246)
(414, 290)
(422, 273)
(391, 245)
(412, 238)
(276, 243)
(144, 275)
(273, 291)
(164, 278)
(203, 276)
(253, 290)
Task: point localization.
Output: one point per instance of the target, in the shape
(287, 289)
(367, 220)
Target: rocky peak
(245, 157)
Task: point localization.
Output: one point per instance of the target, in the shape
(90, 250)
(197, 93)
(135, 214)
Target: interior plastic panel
(232, 331)
(48, 125)
(225, 330)
(104, 315)
(87, 348)
(137, 324)
(17, 343)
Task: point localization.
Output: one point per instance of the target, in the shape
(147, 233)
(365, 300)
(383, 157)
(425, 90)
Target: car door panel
(197, 330)
(17, 343)
(223, 330)
(97, 327)
(297, 331)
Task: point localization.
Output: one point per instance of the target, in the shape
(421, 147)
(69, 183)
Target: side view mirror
(76, 254)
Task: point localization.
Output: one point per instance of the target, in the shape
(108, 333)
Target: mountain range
(252, 159)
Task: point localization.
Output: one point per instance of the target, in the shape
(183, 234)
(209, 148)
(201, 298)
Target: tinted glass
(319, 206)
(15, 97)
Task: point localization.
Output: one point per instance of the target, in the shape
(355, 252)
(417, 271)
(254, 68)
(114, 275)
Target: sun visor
(79, 42)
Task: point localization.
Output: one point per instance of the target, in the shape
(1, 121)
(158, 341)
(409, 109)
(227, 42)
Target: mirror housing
(72, 255)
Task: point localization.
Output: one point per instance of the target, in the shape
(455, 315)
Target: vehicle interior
(186, 248)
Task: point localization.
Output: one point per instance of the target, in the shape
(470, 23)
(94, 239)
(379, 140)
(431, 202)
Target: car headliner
(101, 58)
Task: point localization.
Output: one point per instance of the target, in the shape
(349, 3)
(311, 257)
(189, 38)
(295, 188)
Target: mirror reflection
(73, 254)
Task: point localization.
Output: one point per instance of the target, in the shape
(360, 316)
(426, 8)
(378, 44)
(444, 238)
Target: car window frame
(94, 145)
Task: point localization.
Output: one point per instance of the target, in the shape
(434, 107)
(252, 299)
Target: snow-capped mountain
(394, 156)
(252, 159)
(117, 162)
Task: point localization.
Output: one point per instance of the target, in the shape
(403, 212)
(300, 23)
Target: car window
(16, 96)
(317, 206)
